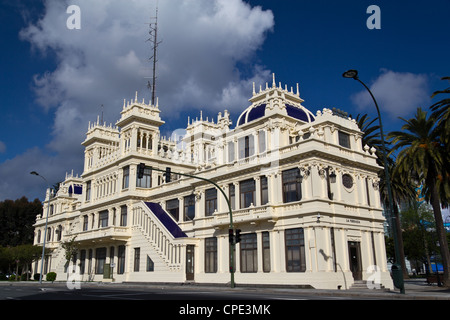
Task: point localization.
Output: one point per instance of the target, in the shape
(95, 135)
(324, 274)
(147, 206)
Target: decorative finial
(254, 92)
(273, 82)
(135, 99)
(298, 91)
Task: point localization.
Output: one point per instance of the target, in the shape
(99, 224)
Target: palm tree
(421, 158)
(441, 111)
(401, 192)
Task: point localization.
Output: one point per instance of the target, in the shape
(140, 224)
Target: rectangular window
(266, 251)
(126, 177)
(82, 261)
(211, 255)
(249, 253)
(247, 190)
(146, 180)
(291, 185)
(150, 265)
(232, 195)
(295, 250)
(137, 259)
(246, 146)
(85, 223)
(173, 207)
(189, 208)
(210, 201)
(344, 139)
(88, 191)
(103, 219)
(121, 260)
(123, 216)
(100, 258)
(262, 141)
(231, 152)
(264, 191)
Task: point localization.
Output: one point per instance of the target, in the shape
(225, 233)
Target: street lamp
(396, 268)
(46, 223)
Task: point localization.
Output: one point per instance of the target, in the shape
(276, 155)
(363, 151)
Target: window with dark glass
(246, 146)
(146, 180)
(126, 177)
(249, 253)
(210, 201)
(103, 219)
(137, 259)
(150, 265)
(85, 222)
(189, 207)
(344, 139)
(291, 185)
(247, 193)
(88, 190)
(59, 233)
(100, 258)
(173, 207)
(295, 250)
(266, 251)
(347, 181)
(264, 191)
(82, 261)
(211, 255)
(123, 216)
(121, 259)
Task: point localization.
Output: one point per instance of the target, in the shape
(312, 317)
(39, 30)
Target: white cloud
(398, 94)
(203, 41)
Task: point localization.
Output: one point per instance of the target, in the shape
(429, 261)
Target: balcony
(104, 235)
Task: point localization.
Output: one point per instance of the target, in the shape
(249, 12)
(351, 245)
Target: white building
(303, 190)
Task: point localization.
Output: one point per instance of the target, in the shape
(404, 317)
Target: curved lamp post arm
(353, 74)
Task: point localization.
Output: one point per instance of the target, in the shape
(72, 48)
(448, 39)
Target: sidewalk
(415, 289)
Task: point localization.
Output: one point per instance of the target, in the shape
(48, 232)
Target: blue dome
(253, 113)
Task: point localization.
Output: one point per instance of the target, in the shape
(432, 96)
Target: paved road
(94, 292)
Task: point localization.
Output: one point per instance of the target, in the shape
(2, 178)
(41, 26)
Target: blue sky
(54, 80)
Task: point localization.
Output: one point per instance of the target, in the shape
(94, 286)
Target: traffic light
(231, 236)
(167, 174)
(141, 168)
(238, 236)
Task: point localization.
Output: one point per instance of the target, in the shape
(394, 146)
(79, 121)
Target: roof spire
(273, 82)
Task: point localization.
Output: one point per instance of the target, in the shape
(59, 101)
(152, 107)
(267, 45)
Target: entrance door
(354, 252)
(190, 262)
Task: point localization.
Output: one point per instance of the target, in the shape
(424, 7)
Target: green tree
(421, 158)
(71, 250)
(418, 242)
(16, 221)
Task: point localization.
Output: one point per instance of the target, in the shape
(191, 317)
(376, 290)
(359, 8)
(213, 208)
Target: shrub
(36, 276)
(51, 276)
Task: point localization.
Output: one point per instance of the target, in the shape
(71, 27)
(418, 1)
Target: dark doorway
(190, 262)
(354, 252)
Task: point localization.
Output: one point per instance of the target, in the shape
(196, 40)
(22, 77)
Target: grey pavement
(415, 289)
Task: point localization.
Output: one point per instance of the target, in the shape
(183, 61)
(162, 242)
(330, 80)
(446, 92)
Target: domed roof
(253, 113)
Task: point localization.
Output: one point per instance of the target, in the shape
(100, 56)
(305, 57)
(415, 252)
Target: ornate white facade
(303, 189)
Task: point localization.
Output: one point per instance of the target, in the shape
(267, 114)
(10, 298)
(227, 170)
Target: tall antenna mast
(154, 40)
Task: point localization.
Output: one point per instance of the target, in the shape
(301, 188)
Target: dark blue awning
(167, 221)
